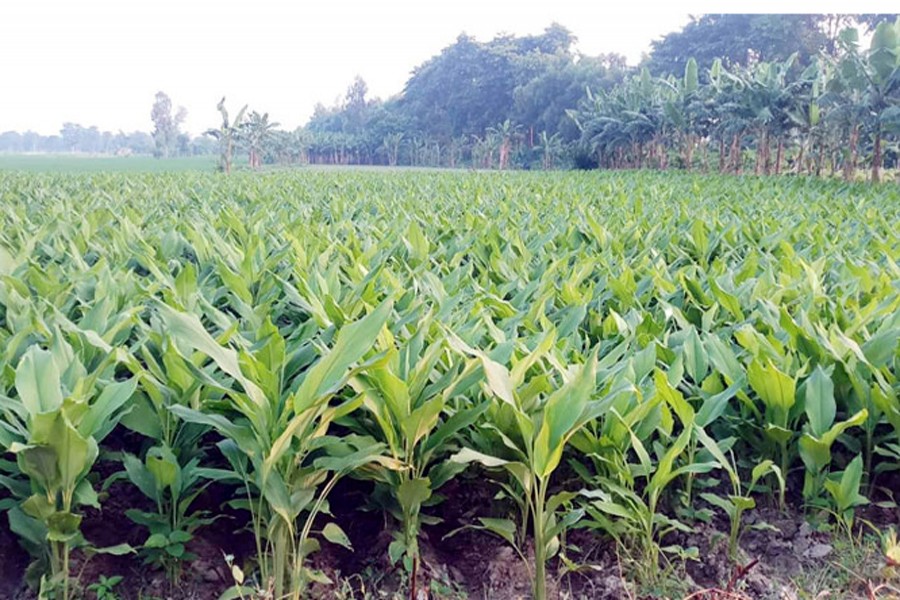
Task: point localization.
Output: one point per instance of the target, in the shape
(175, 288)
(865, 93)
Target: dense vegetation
(620, 353)
(772, 93)
(522, 103)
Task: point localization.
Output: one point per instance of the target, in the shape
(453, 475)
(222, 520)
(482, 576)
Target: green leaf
(880, 348)
(422, 420)
(412, 493)
(74, 453)
(353, 341)
(63, 526)
(139, 475)
(336, 535)
(776, 389)
(820, 404)
(561, 414)
(156, 540)
(85, 495)
(189, 331)
(850, 481)
(162, 464)
(40, 464)
(396, 550)
(117, 550)
(37, 381)
(714, 406)
(673, 398)
(695, 359)
(97, 421)
(505, 528)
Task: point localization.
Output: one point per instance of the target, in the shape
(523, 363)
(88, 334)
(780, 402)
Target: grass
(843, 574)
(74, 163)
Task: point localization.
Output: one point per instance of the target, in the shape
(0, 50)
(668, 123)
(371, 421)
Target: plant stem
(540, 572)
(65, 570)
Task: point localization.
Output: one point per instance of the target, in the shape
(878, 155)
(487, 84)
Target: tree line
(762, 93)
(767, 93)
(164, 141)
(833, 114)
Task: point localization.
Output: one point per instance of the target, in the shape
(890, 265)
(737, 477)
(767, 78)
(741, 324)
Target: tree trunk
(799, 169)
(850, 162)
(226, 159)
(876, 158)
(818, 159)
(722, 154)
(779, 156)
(736, 154)
(689, 153)
(758, 156)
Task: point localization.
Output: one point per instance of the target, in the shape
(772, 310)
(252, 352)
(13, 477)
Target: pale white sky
(100, 62)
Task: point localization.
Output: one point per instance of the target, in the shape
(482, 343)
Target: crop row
(608, 347)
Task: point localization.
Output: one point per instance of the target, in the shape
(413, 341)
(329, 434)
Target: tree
(165, 125)
(870, 81)
(684, 110)
(541, 103)
(254, 133)
(227, 134)
(471, 85)
(355, 106)
(391, 144)
(738, 39)
(550, 147)
(505, 135)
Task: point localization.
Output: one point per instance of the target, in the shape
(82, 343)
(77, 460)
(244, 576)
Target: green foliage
(608, 346)
(104, 587)
(534, 419)
(406, 395)
(53, 427)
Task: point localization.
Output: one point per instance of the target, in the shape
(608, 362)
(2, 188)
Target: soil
(781, 547)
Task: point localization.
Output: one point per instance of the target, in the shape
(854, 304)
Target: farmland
(250, 375)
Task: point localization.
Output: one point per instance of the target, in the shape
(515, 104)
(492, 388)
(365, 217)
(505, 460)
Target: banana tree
(506, 134)
(551, 148)
(683, 109)
(875, 77)
(227, 134)
(255, 132)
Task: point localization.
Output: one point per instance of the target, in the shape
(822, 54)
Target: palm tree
(254, 133)
(505, 133)
(227, 134)
(872, 81)
(391, 144)
(768, 95)
(684, 110)
(551, 147)
(806, 116)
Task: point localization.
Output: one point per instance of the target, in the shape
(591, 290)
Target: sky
(100, 62)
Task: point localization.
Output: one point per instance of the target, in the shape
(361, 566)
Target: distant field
(75, 163)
